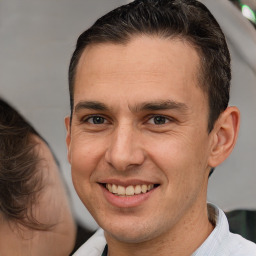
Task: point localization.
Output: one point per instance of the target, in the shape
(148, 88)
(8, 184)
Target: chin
(130, 233)
(131, 238)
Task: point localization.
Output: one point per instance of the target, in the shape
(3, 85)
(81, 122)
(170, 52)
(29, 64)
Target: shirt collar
(218, 235)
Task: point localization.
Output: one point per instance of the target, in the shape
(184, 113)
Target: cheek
(170, 153)
(83, 166)
(85, 155)
(182, 160)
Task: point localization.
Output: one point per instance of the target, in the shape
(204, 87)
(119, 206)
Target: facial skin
(52, 208)
(140, 117)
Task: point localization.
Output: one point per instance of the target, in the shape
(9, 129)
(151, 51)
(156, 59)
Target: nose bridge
(125, 148)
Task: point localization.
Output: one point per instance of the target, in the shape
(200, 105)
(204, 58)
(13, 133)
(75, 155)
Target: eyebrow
(93, 105)
(161, 105)
(145, 106)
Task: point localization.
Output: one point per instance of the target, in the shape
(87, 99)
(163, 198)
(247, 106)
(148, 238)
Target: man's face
(139, 128)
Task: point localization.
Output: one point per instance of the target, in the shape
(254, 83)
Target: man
(149, 90)
(35, 217)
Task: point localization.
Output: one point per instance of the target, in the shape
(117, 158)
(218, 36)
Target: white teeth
(129, 190)
(144, 188)
(109, 187)
(137, 189)
(114, 189)
(121, 190)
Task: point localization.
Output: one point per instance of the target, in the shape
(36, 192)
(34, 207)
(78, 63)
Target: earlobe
(68, 136)
(225, 134)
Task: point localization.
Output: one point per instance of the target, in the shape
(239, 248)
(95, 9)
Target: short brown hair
(187, 19)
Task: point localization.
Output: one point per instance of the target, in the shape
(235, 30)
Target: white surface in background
(37, 38)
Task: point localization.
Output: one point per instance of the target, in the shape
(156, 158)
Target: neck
(182, 240)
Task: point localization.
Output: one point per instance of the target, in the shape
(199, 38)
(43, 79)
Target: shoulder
(239, 246)
(93, 246)
(221, 241)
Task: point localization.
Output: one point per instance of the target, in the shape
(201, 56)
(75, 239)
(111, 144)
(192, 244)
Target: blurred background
(37, 38)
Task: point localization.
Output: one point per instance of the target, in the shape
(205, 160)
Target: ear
(225, 134)
(68, 136)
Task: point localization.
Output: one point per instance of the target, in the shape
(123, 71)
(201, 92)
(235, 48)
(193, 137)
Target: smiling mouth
(130, 190)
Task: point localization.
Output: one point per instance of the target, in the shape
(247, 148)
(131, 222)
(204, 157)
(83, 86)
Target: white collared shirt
(221, 242)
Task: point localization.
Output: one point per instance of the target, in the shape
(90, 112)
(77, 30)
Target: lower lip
(127, 201)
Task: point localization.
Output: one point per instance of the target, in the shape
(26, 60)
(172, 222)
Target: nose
(125, 150)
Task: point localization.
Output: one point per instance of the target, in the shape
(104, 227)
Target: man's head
(34, 208)
(141, 141)
(186, 20)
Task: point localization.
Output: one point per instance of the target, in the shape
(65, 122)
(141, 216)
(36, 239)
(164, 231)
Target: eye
(96, 120)
(158, 120)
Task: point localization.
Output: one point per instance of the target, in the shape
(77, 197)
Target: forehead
(144, 66)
